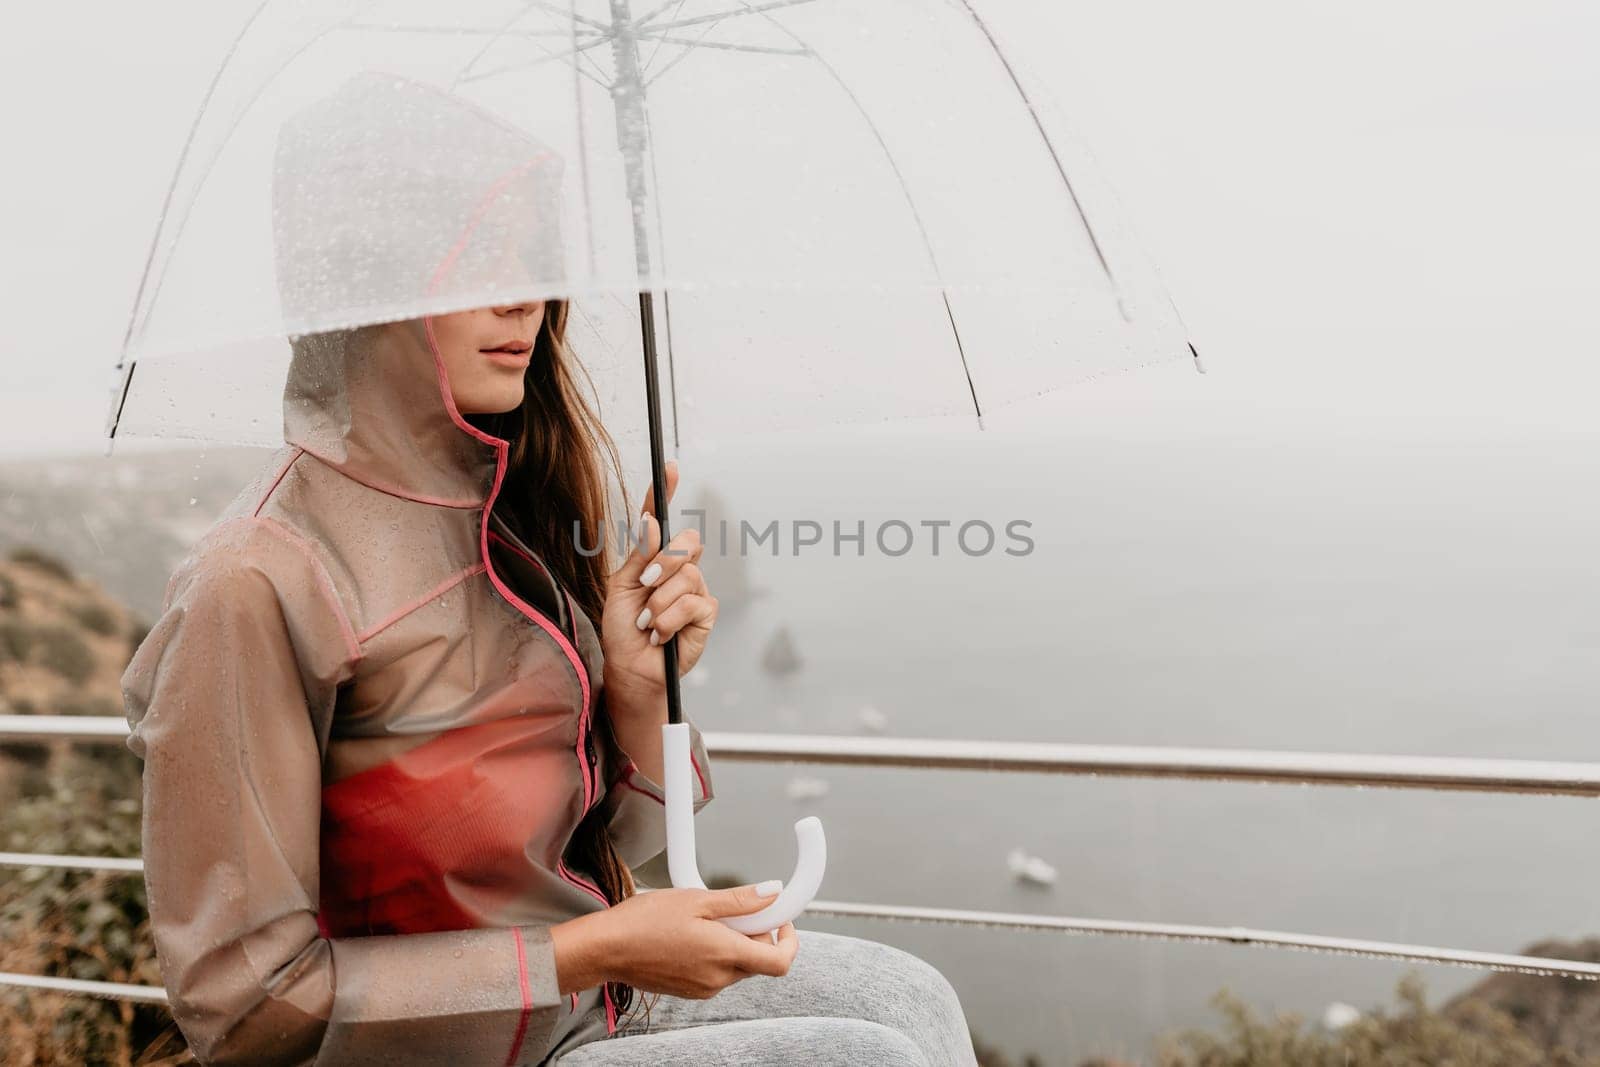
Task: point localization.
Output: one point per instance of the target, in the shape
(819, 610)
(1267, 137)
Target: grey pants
(845, 1001)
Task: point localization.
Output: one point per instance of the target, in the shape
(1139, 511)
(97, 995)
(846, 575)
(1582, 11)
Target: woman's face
(485, 351)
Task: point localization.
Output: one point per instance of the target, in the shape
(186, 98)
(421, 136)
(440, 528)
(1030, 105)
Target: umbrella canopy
(848, 212)
(801, 212)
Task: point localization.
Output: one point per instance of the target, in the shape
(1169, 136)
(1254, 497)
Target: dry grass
(77, 924)
(1472, 1034)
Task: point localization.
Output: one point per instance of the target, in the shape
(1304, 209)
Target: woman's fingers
(646, 534)
(684, 548)
(739, 899)
(656, 603)
(789, 941)
(685, 581)
(752, 955)
(670, 469)
(644, 537)
(771, 937)
(687, 610)
(763, 957)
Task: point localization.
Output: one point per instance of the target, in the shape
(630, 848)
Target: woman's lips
(510, 354)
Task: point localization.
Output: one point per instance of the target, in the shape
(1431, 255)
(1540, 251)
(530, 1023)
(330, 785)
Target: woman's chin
(492, 401)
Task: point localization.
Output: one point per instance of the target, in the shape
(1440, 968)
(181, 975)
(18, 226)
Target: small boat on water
(1026, 868)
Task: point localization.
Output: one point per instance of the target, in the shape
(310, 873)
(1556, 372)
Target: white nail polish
(655, 638)
(651, 573)
(643, 620)
(770, 888)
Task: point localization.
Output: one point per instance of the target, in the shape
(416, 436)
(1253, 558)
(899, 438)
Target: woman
(401, 724)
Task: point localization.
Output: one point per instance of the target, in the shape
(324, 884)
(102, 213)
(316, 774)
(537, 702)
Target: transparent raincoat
(370, 718)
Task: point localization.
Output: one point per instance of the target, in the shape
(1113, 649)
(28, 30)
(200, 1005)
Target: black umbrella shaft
(658, 481)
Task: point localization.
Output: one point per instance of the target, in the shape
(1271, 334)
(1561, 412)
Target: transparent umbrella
(801, 213)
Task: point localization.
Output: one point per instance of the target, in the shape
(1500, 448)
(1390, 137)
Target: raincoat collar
(374, 403)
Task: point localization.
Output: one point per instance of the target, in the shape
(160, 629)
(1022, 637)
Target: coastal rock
(1559, 1014)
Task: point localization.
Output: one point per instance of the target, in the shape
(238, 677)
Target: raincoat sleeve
(229, 700)
(636, 804)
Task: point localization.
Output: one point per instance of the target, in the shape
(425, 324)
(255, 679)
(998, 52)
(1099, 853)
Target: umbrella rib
(602, 33)
(183, 220)
(646, 19)
(1038, 123)
(571, 31)
(600, 36)
(638, 23)
(568, 13)
(172, 186)
(725, 45)
(905, 191)
(605, 33)
(481, 52)
(681, 56)
(961, 350)
(583, 145)
(748, 9)
(599, 76)
(576, 50)
(467, 31)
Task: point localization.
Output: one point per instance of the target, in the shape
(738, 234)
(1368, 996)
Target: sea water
(1413, 595)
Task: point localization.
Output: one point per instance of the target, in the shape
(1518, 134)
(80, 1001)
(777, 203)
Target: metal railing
(1125, 761)
(1135, 761)
(1236, 765)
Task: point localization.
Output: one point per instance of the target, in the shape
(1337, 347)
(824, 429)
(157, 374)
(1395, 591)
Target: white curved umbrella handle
(797, 892)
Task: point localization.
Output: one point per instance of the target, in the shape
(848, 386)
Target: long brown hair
(554, 497)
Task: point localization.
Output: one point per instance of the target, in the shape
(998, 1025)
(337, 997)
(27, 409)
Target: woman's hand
(640, 615)
(669, 941)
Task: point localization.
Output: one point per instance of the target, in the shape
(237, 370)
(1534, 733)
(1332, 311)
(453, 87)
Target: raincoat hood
(390, 196)
(374, 404)
(371, 718)
(392, 199)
